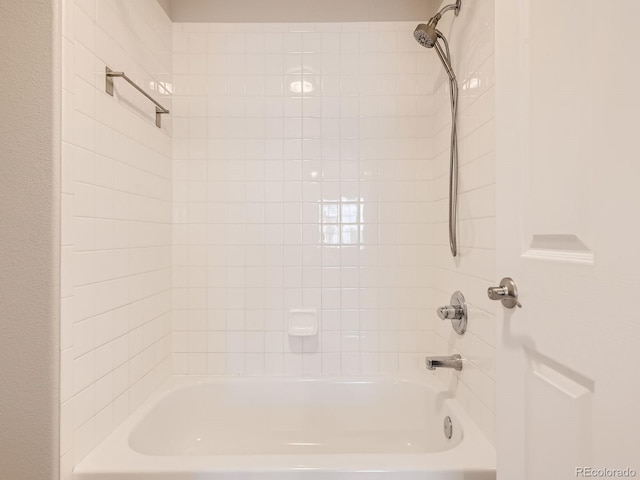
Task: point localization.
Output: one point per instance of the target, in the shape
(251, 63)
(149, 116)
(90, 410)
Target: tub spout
(454, 361)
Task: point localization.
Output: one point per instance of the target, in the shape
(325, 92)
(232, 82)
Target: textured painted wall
(29, 238)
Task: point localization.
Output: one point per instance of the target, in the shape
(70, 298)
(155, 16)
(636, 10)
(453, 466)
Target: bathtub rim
(114, 455)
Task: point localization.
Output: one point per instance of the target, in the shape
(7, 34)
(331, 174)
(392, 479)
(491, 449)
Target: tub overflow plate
(448, 427)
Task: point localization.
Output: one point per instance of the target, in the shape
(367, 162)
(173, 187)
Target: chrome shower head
(426, 34)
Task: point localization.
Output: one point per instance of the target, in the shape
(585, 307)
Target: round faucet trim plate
(456, 312)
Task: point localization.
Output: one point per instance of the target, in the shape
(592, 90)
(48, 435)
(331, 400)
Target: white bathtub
(209, 428)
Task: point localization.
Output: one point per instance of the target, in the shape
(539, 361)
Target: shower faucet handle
(456, 312)
(450, 312)
(507, 293)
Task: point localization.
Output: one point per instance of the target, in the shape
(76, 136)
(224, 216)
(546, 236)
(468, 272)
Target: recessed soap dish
(303, 322)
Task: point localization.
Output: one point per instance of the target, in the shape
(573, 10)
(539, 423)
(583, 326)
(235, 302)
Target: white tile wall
(300, 179)
(471, 40)
(116, 219)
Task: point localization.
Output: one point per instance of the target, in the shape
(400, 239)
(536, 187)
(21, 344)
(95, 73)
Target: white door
(568, 211)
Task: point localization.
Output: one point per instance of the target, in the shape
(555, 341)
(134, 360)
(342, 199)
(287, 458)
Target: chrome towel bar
(110, 74)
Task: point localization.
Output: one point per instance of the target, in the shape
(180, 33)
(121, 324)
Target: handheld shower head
(426, 34)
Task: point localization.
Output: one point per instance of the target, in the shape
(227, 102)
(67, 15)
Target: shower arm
(445, 9)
